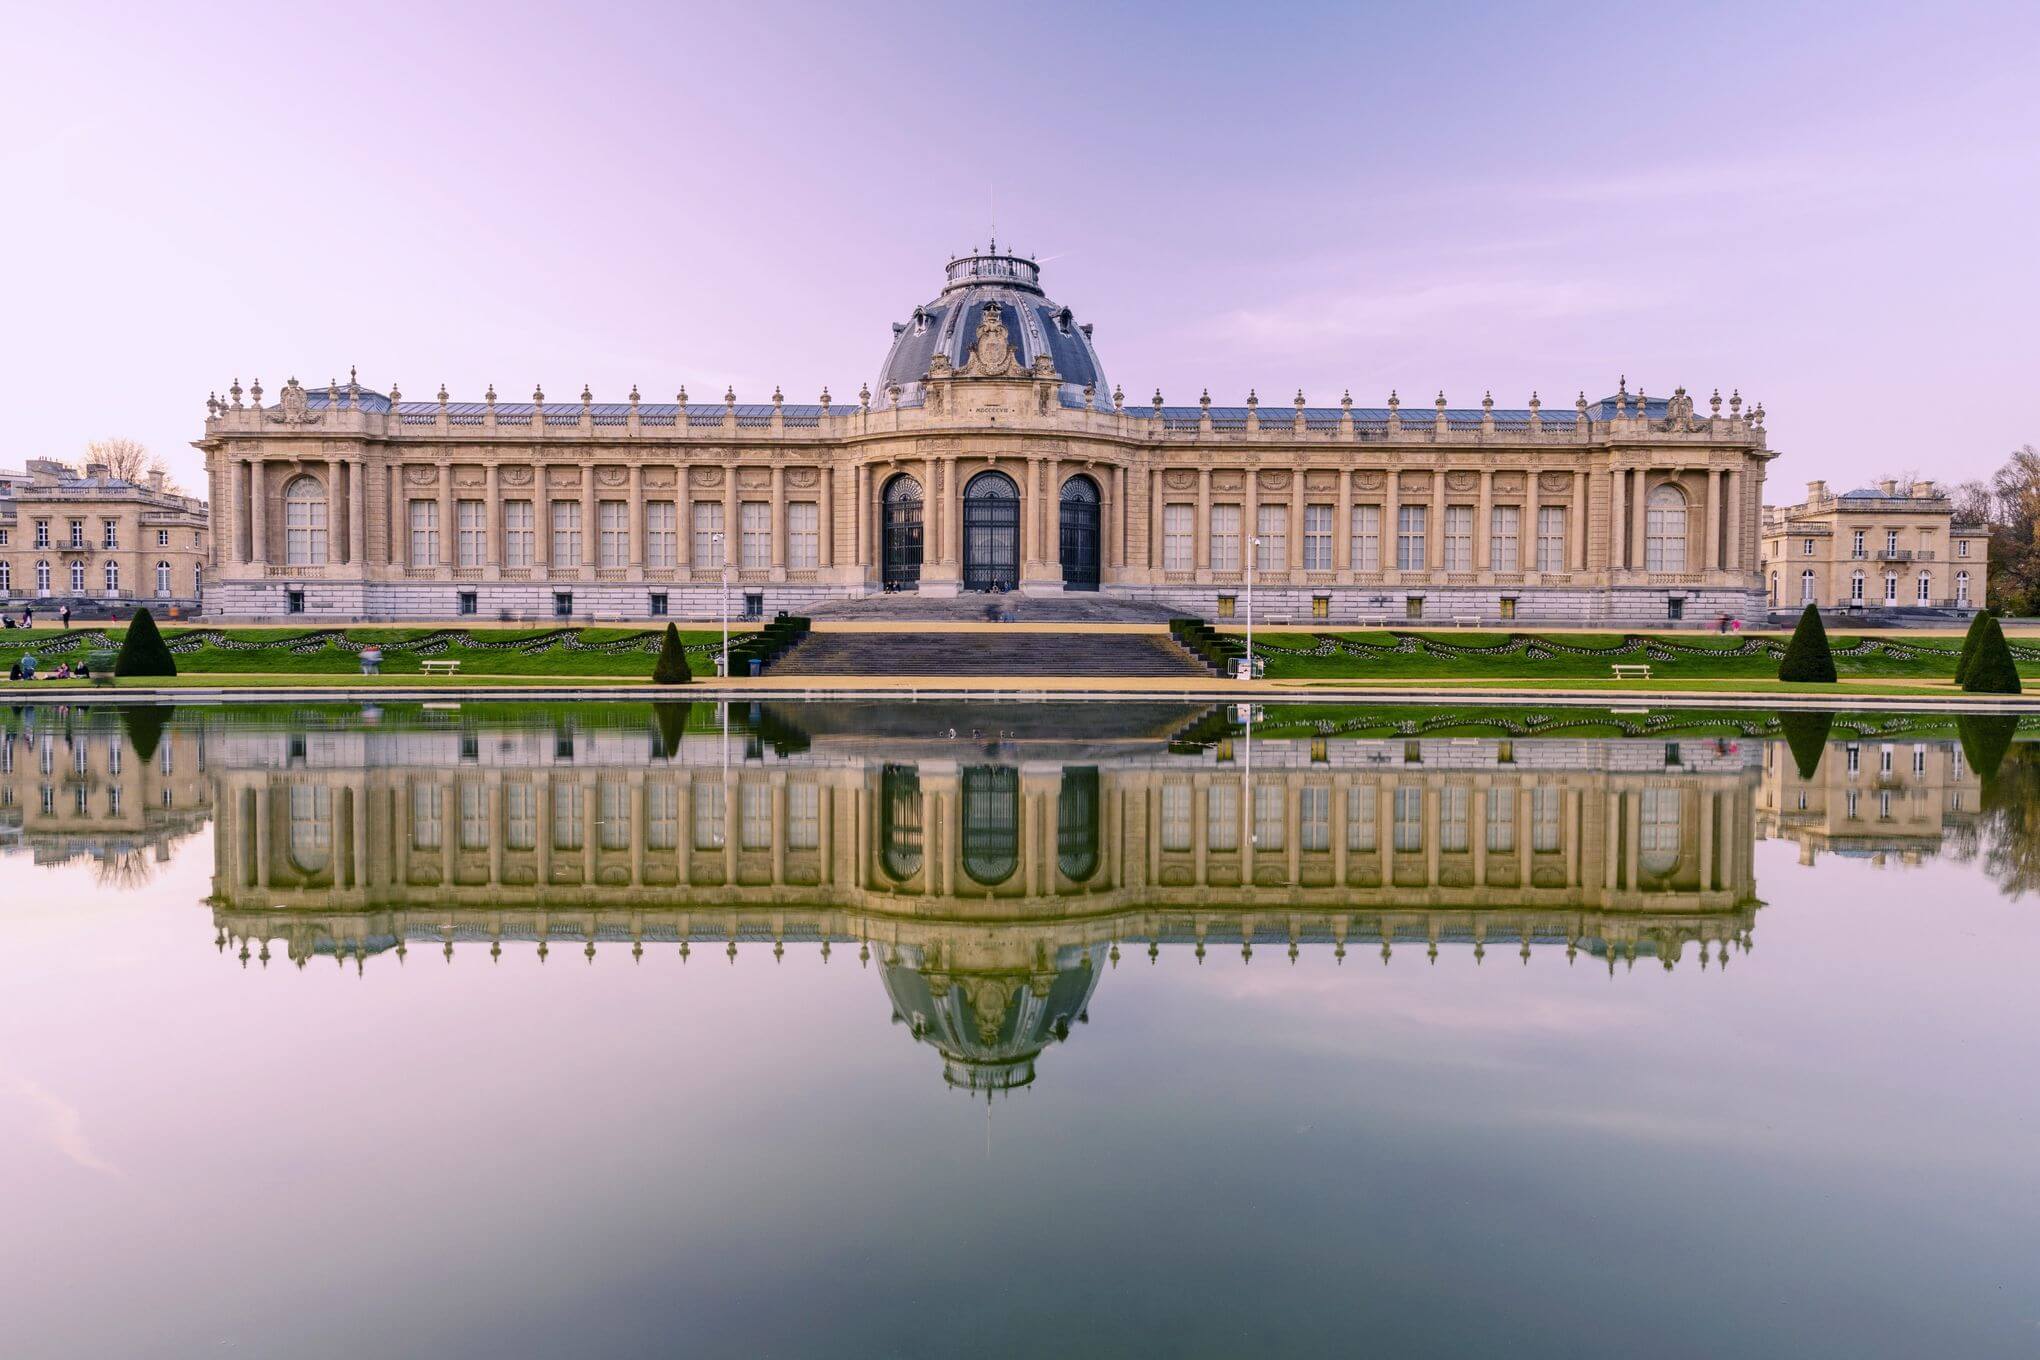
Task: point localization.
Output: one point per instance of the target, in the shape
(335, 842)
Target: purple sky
(1833, 208)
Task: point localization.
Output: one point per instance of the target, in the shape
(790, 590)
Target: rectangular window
(1961, 546)
(1411, 522)
(1317, 538)
(754, 816)
(1225, 538)
(612, 534)
(424, 533)
(42, 533)
(803, 535)
(708, 527)
(1366, 538)
(1453, 801)
(77, 532)
(711, 815)
(1675, 607)
(1501, 820)
(754, 519)
(1508, 604)
(1228, 606)
(754, 604)
(517, 534)
(474, 816)
(662, 534)
(1856, 543)
(563, 604)
(1320, 606)
(1409, 819)
(1314, 817)
(1271, 525)
(468, 602)
(566, 816)
(110, 533)
(471, 518)
(1459, 538)
(1505, 526)
(657, 604)
(162, 537)
(1360, 817)
(1890, 542)
(566, 535)
(1413, 606)
(520, 817)
(1178, 540)
(1551, 538)
(1807, 549)
(803, 816)
(662, 817)
(1175, 817)
(1544, 820)
(426, 828)
(1270, 816)
(612, 814)
(1222, 818)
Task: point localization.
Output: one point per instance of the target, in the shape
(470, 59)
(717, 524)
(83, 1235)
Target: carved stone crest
(292, 406)
(803, 476)
(1275, 481)
(421, 476)
(1554, 481)
(515, 475)
(704, 476)
(1180, 479)
(991, 350)
(1462, 481)
(1369, 481)
(612, 476)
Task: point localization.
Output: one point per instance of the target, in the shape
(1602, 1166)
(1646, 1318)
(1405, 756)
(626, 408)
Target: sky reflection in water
(991, 1134)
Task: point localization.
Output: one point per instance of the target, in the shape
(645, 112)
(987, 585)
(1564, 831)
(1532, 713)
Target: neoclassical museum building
(993, 455)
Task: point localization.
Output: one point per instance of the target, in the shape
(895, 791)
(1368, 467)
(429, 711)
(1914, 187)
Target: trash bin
(757, 666)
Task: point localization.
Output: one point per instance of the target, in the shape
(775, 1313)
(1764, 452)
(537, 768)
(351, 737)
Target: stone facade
(992, 458)
(99, 543)
(1892, 546)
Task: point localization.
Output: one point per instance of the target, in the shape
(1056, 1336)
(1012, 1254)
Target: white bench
(439, 667)
(1631, 671)
(1466, 620)
(1372, 620)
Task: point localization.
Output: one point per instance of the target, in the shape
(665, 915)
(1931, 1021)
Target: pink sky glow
(1832, 208)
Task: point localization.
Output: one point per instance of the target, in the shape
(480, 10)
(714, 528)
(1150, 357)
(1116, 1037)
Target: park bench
(1372, 620)
(1466, 620)
(1630, 671)
(439, 667)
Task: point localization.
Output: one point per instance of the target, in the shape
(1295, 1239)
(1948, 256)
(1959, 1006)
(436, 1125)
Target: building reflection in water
(990, 877)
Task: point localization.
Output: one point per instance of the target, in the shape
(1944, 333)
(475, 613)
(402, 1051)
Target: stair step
(980, 654)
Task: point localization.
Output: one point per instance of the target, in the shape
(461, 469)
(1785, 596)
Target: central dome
(948, 325)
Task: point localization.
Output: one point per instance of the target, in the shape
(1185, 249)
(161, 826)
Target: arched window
(1076, 823)
(113, 578)
(899, 821)
(991, 823)
(311, 828)
(42, 578)
(77, 578)
(1961, 588)
(1806, 586)
(1891, 590)
(1856, 589)
(1926, 588)
(1659, 831)
(304, 523)
(163, 578)
(1664, 544)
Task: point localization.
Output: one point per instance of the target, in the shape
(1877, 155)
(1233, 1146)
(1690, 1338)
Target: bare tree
(129, 460)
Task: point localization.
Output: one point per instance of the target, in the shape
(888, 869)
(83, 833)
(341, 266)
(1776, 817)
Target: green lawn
(1391, 654)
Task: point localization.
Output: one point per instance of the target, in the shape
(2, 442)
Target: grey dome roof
(948, 325)
(991, 1026)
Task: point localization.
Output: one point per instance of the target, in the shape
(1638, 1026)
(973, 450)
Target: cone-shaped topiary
(670, 722)
(143, 651)
(1985, 739)
(672, 667)
(1992, 670)
(1808, 660)
(1806, 736)
(1977, 627)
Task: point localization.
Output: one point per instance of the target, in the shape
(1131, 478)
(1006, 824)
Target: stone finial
(864, 397)
(778, 399)
(1535, 404)
(235, 392)
(353, 379)
(1757, 415)
(1090, 396)
(1118, 397)
(825, 398)
(1440, 403)
(1394, 401)
(634, 397)
(1714, 403)
(1734, 404)
(442, 394)
(1253, 400)
(1346, 401)
(1158, 401)
(538, 396)
(1581, 405)
(255, 394)
(1299, 399)
(683, 396)
(212, 403)
(587, 397)
(1487, 402)
(490, 395)
(1204, 402)
(396, 395)
(332, 392)
(729, 396)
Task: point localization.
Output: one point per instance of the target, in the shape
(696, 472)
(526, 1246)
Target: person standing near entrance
(65, 615)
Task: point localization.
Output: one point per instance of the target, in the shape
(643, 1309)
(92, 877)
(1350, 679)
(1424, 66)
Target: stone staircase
(981, 654)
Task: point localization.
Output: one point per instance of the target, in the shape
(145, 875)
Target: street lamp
(1253, 564)
(722, 558)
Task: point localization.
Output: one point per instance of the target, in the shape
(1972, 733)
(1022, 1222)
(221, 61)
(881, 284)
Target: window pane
(1178, 547)
(1459, 538)
(803, 535)
(1410, 536)
(1271, 525)
(1317, 538)
(1225, 538)
(755, 519)
(1366, 538)
(708, 522)
(1504, 529)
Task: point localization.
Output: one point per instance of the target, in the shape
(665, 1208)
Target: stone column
(1201, 531)
(1342, 533)
(1250, 514)
(1391, 513)
(1437, 540)
(1617, 518)
(932, 537)
(492, 521)
(399, 526)
(1576, 531)
(590, 531)
(1734, 507)
(446, 529)
(1154, 500)
(730, 542)
(1118, 516)
(779, 519)
(357, 512)
(1030, 515)
(825, 514)
(541, 524)
(1639, 524)
(1710, 552)
(1526, 528)
(951, 542)
(1295, 562)
(1051, 519)
(242, 543)
(1483, 525)
(636, 520)
(258, 514)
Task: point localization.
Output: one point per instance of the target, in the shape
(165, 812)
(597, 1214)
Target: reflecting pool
(838, 1029)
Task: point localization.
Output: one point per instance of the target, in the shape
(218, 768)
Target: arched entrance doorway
(991, 823)
(901, 504)
(991, 533)
(1080, 555)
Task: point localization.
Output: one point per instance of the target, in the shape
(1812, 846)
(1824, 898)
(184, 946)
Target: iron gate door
(1080, 556)
(991, 533)
(902, 562)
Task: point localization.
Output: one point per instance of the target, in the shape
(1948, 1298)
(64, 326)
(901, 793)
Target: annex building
(990, 454)
(1892, 546)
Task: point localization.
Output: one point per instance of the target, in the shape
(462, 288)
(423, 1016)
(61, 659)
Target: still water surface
(839, 1030)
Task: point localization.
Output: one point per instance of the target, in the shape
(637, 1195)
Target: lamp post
(1253, 564)
(723, 561)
